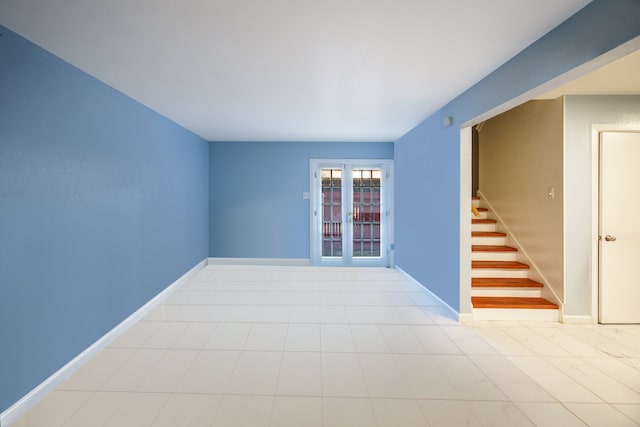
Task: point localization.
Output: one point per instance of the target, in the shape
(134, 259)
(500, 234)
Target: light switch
(305, 195)
(551, 194)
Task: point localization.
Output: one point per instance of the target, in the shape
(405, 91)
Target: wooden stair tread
(475, 198)
(504, 282)
(483, 221)
(487, 234)
(509, 265)
(492, 248)
(512, 302)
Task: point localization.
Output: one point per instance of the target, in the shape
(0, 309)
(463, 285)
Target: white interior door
(350, 212)
(619, 227)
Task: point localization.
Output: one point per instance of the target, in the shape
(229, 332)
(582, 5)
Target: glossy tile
(602, 385)
(168, 372)
(401, 339)
(244, 411)
(189, 410)
(398, 412)
(368, 339)
(195, 336)
(383, 376)
(300, 374)
(347, 412)
(549, 414)
(267, 336)
(93, 374)
(593, 414)
(514, 383)
(448, 413)
(131, 373)
(209, 372)
(303, 337)
(98, 409)
(229, 336)
(342, 376)
(435, 341)
(165, 335)
(425, 378)
(55, 409)
(297, 411)
(336, 338)
(140, 409)
(266, 345)
(554, 381)
(256, 373)
(468, 380)
(499, 414)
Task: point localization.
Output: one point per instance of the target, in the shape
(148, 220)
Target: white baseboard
(455, 314)
(22, 406)
(259, 261)
(578, 320)
(465, 318)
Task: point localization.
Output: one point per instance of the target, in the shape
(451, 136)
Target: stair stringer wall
(521, 255)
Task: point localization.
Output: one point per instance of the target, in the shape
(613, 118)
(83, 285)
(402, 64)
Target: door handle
(609, 238)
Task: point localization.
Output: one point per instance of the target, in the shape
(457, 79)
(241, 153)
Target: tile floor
(303, 346)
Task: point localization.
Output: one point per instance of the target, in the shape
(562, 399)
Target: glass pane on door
(331, 212)
(366, 212)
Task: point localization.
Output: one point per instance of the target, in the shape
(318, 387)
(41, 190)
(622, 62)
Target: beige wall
(520, 160)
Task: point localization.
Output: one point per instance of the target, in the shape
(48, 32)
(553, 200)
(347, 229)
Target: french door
(351, 207)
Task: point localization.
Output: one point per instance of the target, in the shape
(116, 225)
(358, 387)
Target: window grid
(331, 212)
(366, 212)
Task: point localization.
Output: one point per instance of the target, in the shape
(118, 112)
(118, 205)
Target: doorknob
(609, 238)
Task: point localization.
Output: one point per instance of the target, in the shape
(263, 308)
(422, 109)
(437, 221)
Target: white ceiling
(288, 70)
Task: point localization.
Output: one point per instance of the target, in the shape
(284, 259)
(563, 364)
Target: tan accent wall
(520, 155)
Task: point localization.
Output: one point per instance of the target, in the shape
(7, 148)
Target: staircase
(500, 285)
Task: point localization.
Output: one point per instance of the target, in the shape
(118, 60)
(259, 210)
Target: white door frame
(315, 227)
(596, 129)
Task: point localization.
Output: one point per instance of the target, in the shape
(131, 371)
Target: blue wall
(103, 203)
(427, 159)
(256, 205)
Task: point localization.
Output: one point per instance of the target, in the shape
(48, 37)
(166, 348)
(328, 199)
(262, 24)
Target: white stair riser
(495, 272)
(483, 227)
(507, 292)
(493, 256)
(522, 314)
(507, 314)
(476, 202)
(491, 241)
(483, 215)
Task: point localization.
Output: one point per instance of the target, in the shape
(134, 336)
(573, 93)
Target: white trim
(259, 261)
(22, 406)
(579, 320)
(465, 318)
(447, 307)
(517, 314)
(465, 220)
